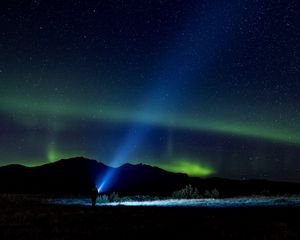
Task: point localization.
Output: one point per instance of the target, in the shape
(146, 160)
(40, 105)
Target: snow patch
(219, 203)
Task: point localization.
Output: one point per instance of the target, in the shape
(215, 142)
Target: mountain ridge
(77, 176)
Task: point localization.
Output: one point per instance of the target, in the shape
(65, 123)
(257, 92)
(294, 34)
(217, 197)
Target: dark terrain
(25, 213)
(76, 176)
(21, 218)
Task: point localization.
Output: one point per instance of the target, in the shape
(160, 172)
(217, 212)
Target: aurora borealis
(210, 88)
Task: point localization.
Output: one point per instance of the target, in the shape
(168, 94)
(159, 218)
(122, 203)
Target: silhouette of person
(94, 194)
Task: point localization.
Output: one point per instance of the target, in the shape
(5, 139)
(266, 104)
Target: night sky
(209, 88)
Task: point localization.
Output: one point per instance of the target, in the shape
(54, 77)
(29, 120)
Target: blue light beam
(203, 36)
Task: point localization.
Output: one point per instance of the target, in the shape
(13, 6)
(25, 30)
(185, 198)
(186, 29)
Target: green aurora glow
(27, 111)
(54, 154)
(190, 167)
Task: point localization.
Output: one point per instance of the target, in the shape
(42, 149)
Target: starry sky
(209, 88)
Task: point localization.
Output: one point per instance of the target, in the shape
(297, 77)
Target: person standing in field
(94, 194)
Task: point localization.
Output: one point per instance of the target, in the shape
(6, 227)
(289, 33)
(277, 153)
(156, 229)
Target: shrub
(114, 197)
(213, 194)
(102, 199)
(187, 192)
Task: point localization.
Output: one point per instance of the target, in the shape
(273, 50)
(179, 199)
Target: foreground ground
(35, 220)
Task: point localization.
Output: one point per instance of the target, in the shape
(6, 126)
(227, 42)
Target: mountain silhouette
(78, 175)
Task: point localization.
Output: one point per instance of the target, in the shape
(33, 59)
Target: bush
(113, 197)
(102, 199)
(213, 194)
(187, 192)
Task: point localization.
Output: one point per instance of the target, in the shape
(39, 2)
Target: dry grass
(28, 217)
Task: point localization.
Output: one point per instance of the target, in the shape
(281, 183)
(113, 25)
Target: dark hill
(77, 176)
(145, 179)
(66, 176)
